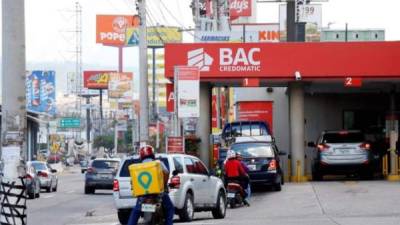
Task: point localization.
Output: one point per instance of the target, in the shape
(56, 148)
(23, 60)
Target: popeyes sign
(111, 29)
(238, 8)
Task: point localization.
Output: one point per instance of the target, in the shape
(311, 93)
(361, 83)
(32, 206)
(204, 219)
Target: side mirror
(282, 153)
(175, 172)
(311, 144)
(53, 171)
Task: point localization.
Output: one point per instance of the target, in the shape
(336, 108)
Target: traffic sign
(70, 122)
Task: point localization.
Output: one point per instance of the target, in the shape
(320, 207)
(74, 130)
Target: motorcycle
(153, 210)
(236, 195)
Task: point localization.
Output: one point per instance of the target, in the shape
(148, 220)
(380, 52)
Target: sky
(49, 24)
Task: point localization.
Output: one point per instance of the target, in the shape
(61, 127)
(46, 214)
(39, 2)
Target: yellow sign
(147, 178)
(156, 36)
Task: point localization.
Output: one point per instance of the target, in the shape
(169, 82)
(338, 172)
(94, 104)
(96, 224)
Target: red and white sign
(110, 29)
(238, 8)
(266, 32)
(352, 82)
(188, 91)
(282, 60)
(175, 145)
(251, 82)
(170, 98)
(222, 110)
(256, 111)
(96, 79)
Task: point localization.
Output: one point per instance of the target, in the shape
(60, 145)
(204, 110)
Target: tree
(106, 141)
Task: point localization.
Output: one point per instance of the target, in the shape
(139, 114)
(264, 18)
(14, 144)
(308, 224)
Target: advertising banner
(41, 92)
(156, 36)
(282, 60)
(256, 111)
(224, 36)
(170, 97)
(111, 29)
(308, 13)
(239, 8)
(175, 145)
(188, 91)
(262, 32)
(120, 86)
(96, 79)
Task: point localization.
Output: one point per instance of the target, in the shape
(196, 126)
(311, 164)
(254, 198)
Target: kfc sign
(238, 8)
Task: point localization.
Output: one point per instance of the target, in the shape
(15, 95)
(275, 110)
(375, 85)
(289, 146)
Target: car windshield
(39, 166)
(105, 164)
(343, 137)
(248, 150)
(245, 129)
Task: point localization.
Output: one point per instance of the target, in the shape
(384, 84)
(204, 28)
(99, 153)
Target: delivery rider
(146, 154)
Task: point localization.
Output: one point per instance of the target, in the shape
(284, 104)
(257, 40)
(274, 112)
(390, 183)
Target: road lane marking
(47, 196)
(70, 192)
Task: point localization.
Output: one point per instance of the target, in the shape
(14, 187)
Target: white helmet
(230, 154)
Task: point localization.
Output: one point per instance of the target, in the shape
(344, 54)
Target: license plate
(343, 150)
(105, 176)
(148, 208)
(231, 195)
(252, 167)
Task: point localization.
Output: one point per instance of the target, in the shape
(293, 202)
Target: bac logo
(239, 60)
(200, 59)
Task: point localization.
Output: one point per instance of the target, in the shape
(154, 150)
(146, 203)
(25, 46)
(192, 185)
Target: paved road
(315, 203)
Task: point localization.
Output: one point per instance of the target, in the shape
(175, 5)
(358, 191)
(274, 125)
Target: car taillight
(272, 166)
(90, 170)
(175, 182)
(116, 185)
(323, 147)
(365, 146)
(43, 174)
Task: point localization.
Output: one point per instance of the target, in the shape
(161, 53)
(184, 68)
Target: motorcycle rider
(146, 154)
(246, 168)
(234, 171)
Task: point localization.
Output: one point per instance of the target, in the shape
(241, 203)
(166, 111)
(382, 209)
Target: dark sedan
(262, 159)
(100, 174)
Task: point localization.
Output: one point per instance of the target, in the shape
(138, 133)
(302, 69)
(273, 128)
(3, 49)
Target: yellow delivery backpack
(147, 178)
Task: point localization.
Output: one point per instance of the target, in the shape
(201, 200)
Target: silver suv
(341, 152)
(191, 188)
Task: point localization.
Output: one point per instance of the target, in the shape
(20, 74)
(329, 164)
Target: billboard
(239, 8)
(111, 29)
(258, 32)
(120, 86)
(156, 36)
(219, 36)
(41, 92)
(170, 97)
(175, 145)
(96, 79)
(308, 13)
(188, 91)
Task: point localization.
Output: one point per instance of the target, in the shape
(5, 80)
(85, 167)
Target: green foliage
(106, 141)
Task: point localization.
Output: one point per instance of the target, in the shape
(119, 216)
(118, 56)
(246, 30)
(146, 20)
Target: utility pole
(78, 63)
(144, 88)
(13, 126)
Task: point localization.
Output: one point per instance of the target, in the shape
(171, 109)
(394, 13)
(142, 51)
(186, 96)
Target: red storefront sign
(352, 82)
(282, 60)
(238, 8)
(251, 82)
(256, 111)
(175, 145)
(170, 98)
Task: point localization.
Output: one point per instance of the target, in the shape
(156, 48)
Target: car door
(196, 180)
(207, 184)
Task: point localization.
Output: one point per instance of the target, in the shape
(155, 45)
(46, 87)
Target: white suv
(192, 189)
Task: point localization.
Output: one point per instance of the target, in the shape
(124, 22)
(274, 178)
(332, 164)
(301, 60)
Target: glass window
(189, 165)
(199, 167)
(343, 137)
(248, 150)
(39, 166)
(105, 164)
(178, 164)
(246, 130)
(255, 130)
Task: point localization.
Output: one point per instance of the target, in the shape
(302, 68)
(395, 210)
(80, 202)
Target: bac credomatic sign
(282, 60)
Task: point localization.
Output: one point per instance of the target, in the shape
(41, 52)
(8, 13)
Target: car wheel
(48, 189)
(123, 216)
(220, 207)
(31, 195)
(187, 212)
(89, 190)
(37, 195)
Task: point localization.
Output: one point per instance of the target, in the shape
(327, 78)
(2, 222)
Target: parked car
(32, 181)
(243, 128)
(191, 187)
(261, 156)
(100, 174)
(47, 176)
(341, 152)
